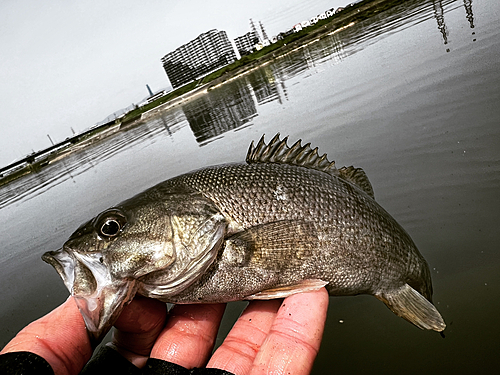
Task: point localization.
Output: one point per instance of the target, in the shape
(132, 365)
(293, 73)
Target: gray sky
(68, 64)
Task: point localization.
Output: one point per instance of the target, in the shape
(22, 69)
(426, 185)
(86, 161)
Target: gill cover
(155, 244)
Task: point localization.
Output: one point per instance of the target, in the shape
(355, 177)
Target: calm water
(412, 96)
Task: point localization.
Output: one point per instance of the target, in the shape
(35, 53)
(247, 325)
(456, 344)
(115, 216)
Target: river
(411, 95)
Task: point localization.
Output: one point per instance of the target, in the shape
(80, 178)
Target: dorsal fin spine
(301, 154)
(292, 150)
(313, 157)
(278, 151)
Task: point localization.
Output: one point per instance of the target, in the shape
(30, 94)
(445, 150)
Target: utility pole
(254, 30)
(264, 35)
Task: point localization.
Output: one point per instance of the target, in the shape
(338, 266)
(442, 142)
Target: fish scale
(309, 195)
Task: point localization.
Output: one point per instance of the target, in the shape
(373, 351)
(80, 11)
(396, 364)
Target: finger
(137, 328)
(60, 337)
(189, 335)
(239, 349)
(295, 337)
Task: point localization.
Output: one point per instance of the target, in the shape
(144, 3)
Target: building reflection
(235, 104)
(172, 120)
(219, 111)
(264, 85)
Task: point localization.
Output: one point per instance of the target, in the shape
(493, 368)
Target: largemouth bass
(284, 222)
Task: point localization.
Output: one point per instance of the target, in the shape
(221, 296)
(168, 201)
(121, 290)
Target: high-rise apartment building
(206, 53)
(246, 43)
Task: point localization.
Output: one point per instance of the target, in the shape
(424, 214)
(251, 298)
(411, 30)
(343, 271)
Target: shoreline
(337, 23)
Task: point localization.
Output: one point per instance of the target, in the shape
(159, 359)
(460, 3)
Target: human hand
(269, 336)
(266, 337)
(61, 338)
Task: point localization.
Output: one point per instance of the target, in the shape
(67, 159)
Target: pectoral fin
(409, 304)
(288, 290)
(273, 246)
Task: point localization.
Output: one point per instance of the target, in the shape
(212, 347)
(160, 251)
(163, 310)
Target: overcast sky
(68, 64)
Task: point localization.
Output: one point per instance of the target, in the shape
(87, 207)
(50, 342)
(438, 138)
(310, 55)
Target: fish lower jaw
(101, 309)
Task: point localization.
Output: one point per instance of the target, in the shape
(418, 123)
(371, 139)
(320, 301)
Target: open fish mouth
(99, 297)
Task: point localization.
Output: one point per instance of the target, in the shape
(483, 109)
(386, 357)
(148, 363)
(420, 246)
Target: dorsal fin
(358, 177)
(277, 151)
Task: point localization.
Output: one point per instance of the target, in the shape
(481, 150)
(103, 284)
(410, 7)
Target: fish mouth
(63, 264)
(99, 297)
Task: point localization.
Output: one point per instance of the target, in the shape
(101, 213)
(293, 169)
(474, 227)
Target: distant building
(322, 16)
(153, 97)
(201, 56)
(283, 35)
(245, 44)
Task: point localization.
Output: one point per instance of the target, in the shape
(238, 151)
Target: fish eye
(110, 223)
(111, 228)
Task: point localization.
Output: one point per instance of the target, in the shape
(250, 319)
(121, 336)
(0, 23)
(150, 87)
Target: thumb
(60, 337)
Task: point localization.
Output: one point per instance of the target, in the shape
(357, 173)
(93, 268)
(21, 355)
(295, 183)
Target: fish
(285, 221)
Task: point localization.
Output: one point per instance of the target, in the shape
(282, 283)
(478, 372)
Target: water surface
(411, 96)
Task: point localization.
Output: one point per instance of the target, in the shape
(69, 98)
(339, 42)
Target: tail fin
(409, 304)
